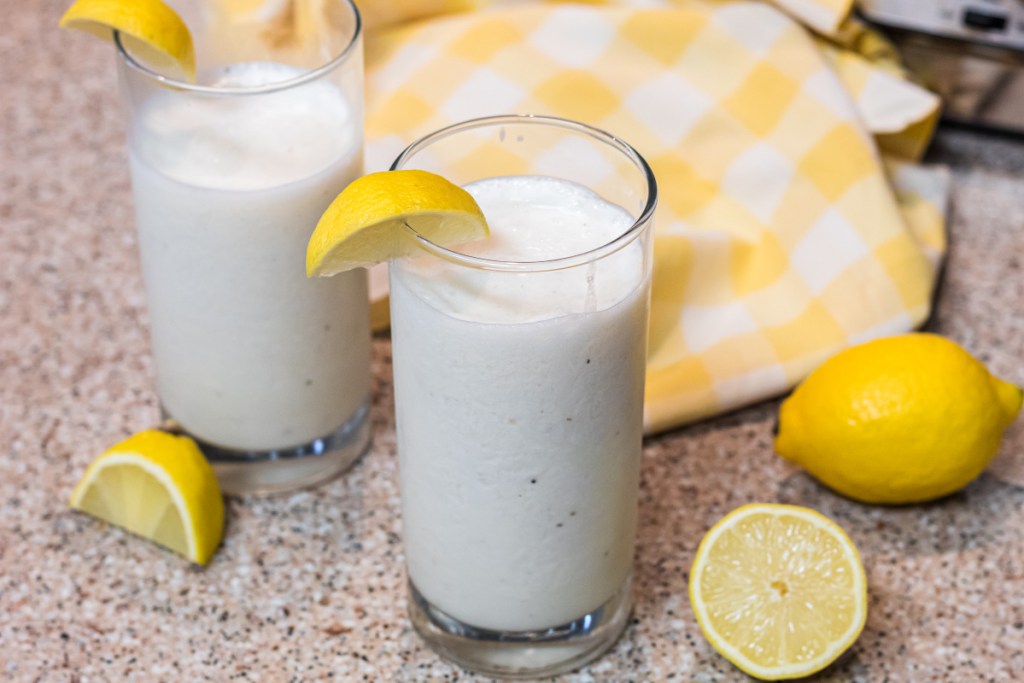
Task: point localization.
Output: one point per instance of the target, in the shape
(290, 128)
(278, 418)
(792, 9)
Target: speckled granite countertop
(310, 586)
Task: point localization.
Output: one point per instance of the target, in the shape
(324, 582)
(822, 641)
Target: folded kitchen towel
(782, 234)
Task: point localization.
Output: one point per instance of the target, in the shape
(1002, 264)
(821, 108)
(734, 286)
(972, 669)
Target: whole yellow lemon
(901, 419)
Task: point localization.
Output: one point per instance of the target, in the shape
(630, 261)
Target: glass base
(286, 469)
(522, 654)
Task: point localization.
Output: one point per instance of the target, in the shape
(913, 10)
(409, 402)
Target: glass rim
(276, 86)
(544, 265)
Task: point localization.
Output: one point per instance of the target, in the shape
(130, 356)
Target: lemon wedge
(365, 224)
(778, 590)
(151, 30)
(158, 486)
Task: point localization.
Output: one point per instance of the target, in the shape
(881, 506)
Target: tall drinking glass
(519, 382)
(268, 370)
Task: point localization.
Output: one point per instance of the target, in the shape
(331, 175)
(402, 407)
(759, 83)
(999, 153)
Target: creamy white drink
(250, 354)
(519, 402)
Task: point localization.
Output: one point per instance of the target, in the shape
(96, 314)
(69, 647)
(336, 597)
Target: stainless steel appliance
(969, 51)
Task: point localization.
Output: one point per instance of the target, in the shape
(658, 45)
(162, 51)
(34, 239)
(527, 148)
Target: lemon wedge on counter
(159, 486)
(778, 590)
(151, 30)
(365, 224)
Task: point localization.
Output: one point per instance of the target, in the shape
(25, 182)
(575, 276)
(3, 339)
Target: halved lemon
(365, 224)
(778, 590)
(151, 30)
(159, 486)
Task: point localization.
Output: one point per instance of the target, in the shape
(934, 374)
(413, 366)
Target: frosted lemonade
(519, 413)
(519, 367)
(268, 370)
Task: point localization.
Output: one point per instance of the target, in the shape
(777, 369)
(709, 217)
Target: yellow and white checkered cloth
(782, 236)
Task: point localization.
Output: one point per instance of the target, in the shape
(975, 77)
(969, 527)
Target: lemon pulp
(159, 486)
(778, 590)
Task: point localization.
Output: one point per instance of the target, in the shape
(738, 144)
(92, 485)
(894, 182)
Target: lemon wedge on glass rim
(367, 223)
(778, 590)
(150, 29)
(159, 486)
